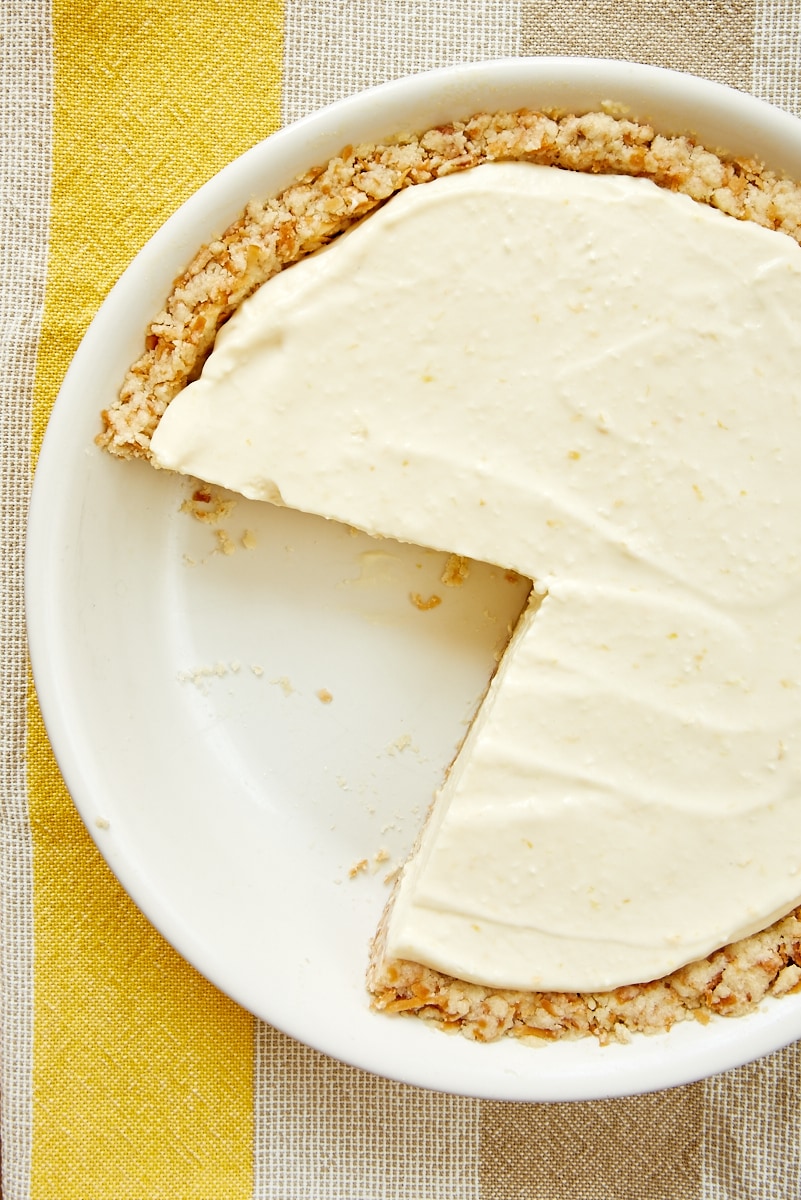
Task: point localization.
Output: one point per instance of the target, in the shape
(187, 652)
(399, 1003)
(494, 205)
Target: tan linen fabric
(752, 1130)
(777, 37)
(334, 49)
(644, 1146)
(711, 38)
(327, 1131)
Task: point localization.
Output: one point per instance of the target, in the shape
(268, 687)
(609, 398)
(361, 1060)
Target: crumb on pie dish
(601, 858)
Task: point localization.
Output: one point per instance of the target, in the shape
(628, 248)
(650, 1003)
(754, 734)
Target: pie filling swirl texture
(596, 383)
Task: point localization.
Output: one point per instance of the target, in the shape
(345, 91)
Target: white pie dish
(235, 829)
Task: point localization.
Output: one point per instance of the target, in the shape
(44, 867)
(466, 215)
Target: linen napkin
(125, 1074)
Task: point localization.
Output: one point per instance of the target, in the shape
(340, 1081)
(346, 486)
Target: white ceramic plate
(232, 804)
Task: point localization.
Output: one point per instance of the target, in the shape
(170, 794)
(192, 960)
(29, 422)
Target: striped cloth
(125, 1074)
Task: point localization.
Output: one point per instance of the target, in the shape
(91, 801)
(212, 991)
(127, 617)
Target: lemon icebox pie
(574, 353)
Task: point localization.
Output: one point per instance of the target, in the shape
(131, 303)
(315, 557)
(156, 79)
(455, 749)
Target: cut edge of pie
(730, 983)
(279, 231)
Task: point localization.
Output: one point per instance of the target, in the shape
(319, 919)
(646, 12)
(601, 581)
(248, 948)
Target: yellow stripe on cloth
(142, 1070)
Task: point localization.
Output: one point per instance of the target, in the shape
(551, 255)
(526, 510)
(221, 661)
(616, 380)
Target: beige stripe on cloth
(327, 1131)
(25, 116)
(648, 1147)
(334, 49)
(752, 1137)
(777, 53)
(323, 1129)
(712, 38)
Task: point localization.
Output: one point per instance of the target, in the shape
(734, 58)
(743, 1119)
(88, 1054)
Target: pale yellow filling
(598, 384)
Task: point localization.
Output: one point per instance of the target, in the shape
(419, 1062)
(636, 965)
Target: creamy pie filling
(596, 383)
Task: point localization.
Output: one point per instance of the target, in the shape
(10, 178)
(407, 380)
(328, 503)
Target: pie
(562, 356)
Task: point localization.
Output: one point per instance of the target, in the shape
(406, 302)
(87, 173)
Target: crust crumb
(457, 569)
(425, 605)
(224, 543)
(207, 505)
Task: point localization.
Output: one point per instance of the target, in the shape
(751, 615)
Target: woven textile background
(125, 1076)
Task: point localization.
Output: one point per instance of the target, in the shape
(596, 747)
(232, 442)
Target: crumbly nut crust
(728, 983)
(323, 203)
(329, 199)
